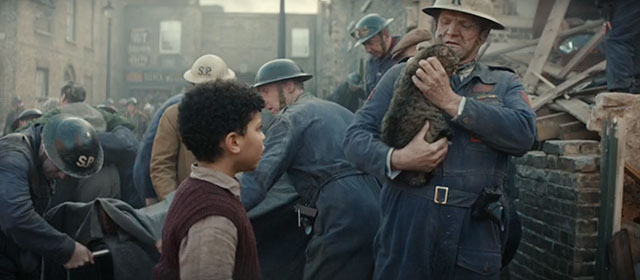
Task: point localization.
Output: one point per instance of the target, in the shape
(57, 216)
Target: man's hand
(419, 155)
(432, 80)
(81, 256)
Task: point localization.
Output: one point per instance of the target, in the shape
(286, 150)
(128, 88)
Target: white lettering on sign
(85, 161)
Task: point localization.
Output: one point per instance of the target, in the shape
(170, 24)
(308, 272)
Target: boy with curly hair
(207, 234)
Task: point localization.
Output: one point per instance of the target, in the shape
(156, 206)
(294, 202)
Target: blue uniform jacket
(304, 141)
(418, 238)
(24, 196)
(507, 129)
(376, 67)
(141, 175)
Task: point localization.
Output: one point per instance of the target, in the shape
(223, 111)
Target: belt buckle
(436, 196)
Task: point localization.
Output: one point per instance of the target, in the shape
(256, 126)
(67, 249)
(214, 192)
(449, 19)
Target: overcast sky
(265, 6)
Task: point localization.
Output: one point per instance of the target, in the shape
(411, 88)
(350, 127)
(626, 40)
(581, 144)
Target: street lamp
(107, 10)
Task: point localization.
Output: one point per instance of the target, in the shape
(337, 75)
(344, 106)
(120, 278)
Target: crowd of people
(211, 155)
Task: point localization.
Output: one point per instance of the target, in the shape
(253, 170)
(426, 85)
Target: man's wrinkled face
(271, 94)
(374, 47)
(461, 32)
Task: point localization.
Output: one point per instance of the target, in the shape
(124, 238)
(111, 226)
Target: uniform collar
(215, 177)
(480, 71)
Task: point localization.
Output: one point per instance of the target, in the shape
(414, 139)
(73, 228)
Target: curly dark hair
(212, 110)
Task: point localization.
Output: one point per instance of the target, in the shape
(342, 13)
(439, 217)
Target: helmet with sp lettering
(208, 68)
(72, 144)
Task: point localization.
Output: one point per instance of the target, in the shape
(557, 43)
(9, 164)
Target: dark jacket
(376, 67)
(349, 99)
(24, 196)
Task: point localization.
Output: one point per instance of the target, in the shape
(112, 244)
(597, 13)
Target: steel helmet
(72, 145)
(368, 26)
(278, 70)
(107, 108)
(26, 115)
(30, 113)
(208, 68)
(132, 100)
(355, 80)
(480, 8)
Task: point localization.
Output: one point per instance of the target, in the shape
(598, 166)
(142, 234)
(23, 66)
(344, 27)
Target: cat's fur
(410, 109)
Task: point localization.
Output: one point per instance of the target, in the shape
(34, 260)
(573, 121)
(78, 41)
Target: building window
(300, 42)
(42, 82)
(43, 20)
(71, 20)
(69, 74)
(170, 36)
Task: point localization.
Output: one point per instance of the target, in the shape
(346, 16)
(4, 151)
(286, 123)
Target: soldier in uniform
(339, 204)
(371, 31)
(453, 227)
(31, 162)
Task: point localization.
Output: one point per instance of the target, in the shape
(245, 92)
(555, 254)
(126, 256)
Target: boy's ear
(232, 142)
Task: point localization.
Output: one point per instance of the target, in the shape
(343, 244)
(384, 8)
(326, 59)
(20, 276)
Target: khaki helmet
(208, 68)
(411, 39)
(480, 8)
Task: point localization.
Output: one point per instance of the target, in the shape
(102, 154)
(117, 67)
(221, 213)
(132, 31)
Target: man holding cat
(453, 227)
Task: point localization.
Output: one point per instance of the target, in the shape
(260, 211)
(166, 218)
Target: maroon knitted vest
(194, 201)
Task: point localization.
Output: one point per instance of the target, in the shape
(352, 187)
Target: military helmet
(132, 100)
(479, 8)
(29, 113)
(72, 144)
(279, 70)
(107, 108)
(368, 26)
(208, 68)
(355, 80)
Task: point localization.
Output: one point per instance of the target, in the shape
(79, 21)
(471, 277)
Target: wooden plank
(549, 126)
(533, 42)
(576, 131)
(540, 56)
(632, 171)
(620, 256)
(582, 53)
(577, 108)
(561, 88)
(525, 58)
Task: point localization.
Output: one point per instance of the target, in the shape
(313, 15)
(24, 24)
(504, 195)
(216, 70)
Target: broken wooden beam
(577, 108)
(548, 96)
(577, 131)
(548, 126)
(533, 42)
(632, 171)
(543, 49)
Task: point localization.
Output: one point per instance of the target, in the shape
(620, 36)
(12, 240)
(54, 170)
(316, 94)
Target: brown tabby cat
(409, 110)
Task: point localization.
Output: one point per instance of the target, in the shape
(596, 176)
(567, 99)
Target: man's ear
(289, 86)
(232, 142)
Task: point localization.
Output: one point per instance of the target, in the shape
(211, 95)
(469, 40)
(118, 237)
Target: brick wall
(558, 198)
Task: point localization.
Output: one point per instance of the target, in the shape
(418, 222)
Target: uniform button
(465, 120)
